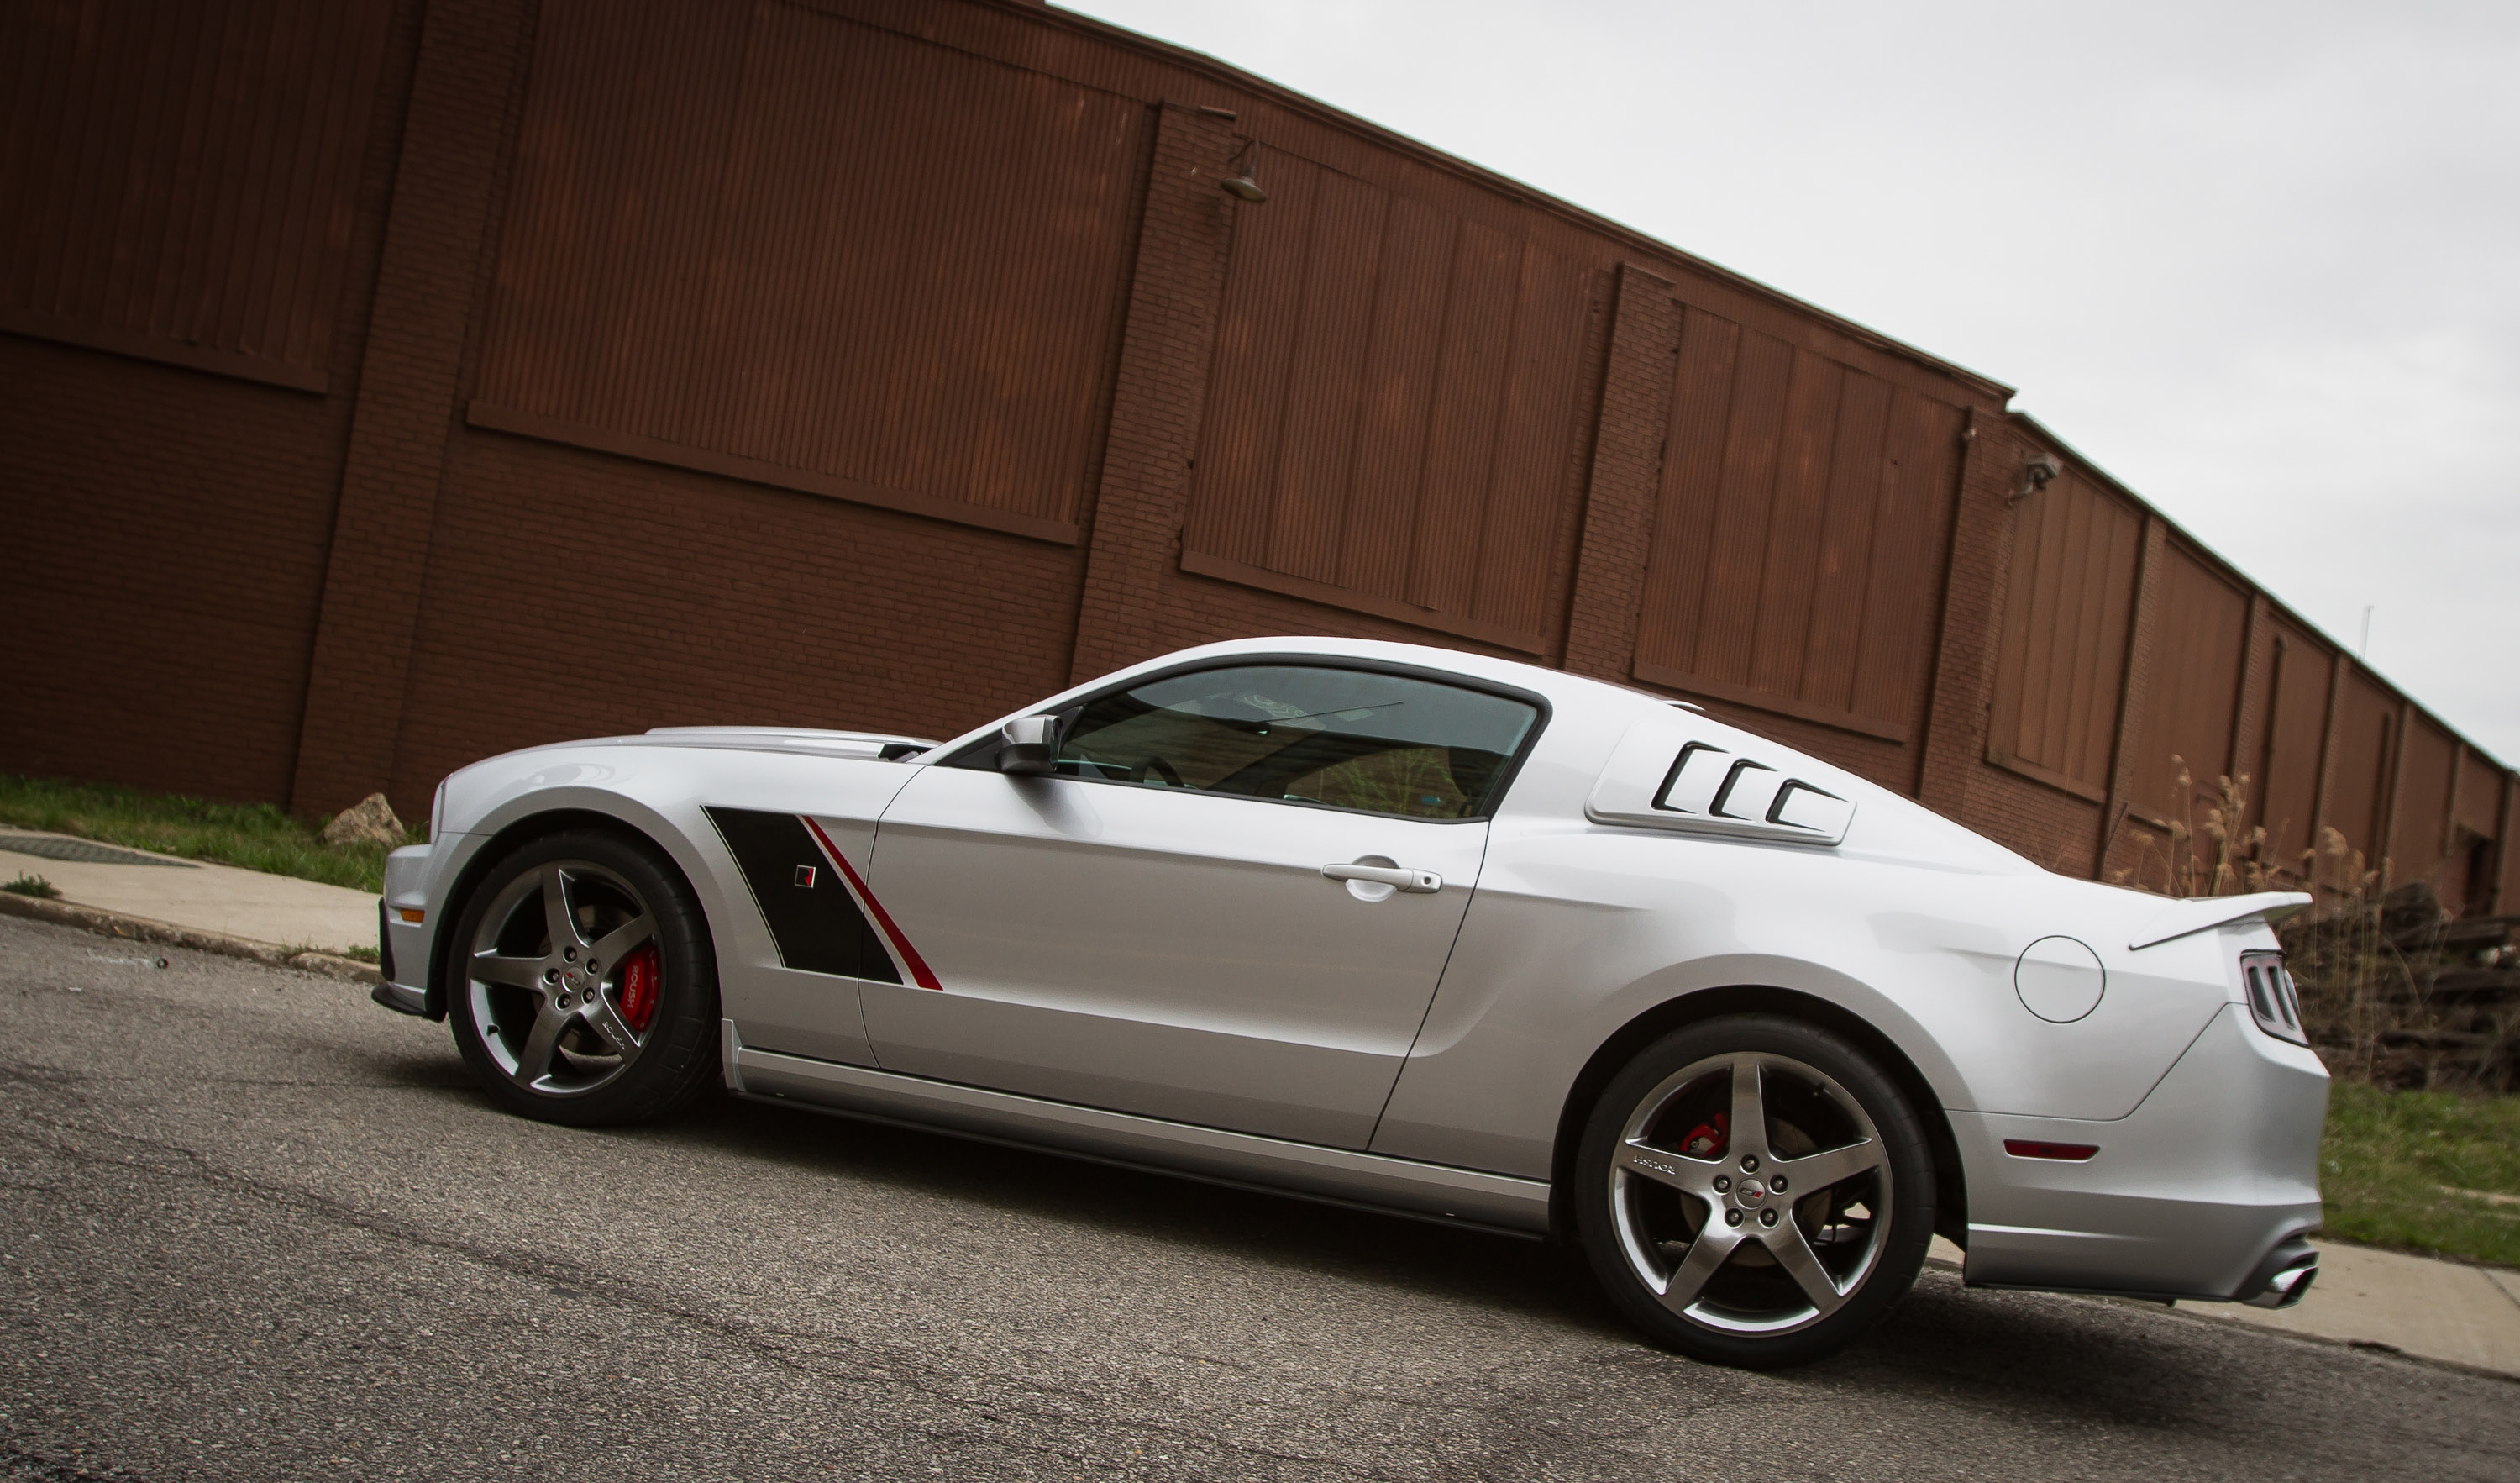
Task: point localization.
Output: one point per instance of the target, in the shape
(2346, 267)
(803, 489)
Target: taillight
(2273, 1003)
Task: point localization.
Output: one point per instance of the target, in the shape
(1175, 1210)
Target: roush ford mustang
(1419, 931)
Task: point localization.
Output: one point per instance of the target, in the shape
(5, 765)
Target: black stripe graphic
(812, 916)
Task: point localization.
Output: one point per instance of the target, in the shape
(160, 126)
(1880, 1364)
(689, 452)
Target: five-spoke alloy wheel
(1754, 1190)
(580, 981)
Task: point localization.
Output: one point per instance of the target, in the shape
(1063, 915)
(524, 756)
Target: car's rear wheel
(582, 987)
(1754, 1190)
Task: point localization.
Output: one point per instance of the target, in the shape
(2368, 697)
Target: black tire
(497, 1005)
(1670, 1198)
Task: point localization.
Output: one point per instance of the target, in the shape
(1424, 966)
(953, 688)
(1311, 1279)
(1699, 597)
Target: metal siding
(2506, 893)
(1317, 432)
(1528, 495)
(1255, 341)
(1863, 478)
(1676, 572)
(1398, 399)
(2188, 717)
(2367, 727)
(809, 244)
(1391, 410)
(2286, 788)
(1463, 433)
(1745, 508)
(1918, 487)
(179, 181)
(1796, 512)
(2067, 623)
(1798, 536)
(2422, 814)
(2480, 795)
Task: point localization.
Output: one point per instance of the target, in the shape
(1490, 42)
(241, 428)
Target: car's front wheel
(582, 985)
(1754, 1190)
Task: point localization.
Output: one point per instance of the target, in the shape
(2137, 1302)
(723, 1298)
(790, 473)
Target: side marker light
(411, 914)
(2026, 1147)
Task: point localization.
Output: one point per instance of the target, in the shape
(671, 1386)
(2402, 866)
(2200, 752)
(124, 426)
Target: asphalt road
(254, 1227)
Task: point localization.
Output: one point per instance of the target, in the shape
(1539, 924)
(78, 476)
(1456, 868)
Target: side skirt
(1339, 1176)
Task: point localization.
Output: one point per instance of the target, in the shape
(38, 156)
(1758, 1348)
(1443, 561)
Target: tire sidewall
(1905, 1146)
(681, 1055)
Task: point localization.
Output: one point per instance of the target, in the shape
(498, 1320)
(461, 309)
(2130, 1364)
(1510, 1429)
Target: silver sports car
(1419, 931)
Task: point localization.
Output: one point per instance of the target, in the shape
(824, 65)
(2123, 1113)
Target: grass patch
(32, 885)
(2392, 1160)
(257, 836)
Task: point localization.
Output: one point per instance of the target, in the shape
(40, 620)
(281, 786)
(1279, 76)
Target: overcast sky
(2261, 263)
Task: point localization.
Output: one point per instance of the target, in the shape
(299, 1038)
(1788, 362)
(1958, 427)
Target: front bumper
(391, 995)
(2203, 1192)
(402, 944)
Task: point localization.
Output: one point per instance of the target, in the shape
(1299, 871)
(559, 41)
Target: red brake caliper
(1707, 1139)
(635, 985)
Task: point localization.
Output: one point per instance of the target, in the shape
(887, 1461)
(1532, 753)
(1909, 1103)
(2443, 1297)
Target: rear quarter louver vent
(1671, 772)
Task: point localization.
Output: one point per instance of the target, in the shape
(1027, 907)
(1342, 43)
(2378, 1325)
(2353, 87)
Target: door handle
(1422, 883)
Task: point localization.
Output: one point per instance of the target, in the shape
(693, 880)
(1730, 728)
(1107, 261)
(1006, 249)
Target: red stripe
(910, 958)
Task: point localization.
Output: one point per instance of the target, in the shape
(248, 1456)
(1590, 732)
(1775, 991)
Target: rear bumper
(2202, 1193)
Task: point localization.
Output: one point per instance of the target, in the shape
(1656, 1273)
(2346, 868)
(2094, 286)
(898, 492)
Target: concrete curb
(143, 929)
(2203, 1313)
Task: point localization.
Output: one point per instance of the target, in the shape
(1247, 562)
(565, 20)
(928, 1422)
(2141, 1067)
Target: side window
(1345, 737)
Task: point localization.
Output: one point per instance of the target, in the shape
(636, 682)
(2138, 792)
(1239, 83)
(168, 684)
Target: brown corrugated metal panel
(772, 244)
(2506, 868)
(179, 182)
(2068, 608)
(2285, 789)
(1391, 410)
(1805, 507)
(2187, 718)
(2420, 827)
(2364, 755)
(1076, 46)
(2480, 795)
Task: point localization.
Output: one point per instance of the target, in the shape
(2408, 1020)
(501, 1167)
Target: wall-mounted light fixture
(1241, 186)
(2037, 474)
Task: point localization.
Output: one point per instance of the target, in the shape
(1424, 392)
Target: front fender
(490, 807)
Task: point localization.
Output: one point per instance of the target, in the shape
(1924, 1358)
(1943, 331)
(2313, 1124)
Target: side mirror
(1029, 746)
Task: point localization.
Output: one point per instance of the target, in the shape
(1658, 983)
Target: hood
(785, 739)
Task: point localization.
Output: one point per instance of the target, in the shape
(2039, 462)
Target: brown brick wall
(165, 533)
(463, 93)
(570, 594)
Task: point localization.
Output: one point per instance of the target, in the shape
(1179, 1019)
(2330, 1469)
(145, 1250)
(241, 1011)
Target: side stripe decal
(814, 921)
(920, 972)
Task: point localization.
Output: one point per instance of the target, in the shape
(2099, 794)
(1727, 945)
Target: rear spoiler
(2180, 919)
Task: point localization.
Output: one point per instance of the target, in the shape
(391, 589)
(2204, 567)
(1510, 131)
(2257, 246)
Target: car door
(1230, 906)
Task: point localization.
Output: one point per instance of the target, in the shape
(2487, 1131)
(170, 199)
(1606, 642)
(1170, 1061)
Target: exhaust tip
(2289, 1287)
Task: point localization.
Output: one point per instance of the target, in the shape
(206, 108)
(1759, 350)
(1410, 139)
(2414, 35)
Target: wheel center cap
(1750, 1192)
